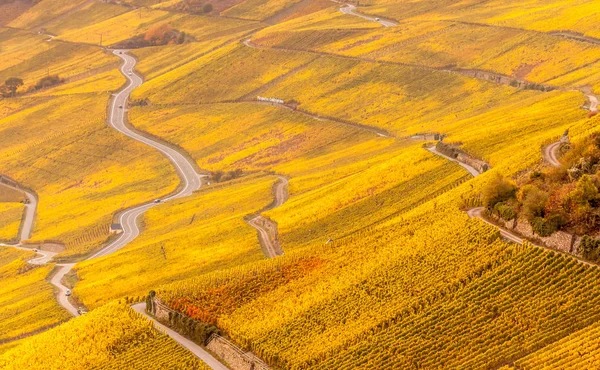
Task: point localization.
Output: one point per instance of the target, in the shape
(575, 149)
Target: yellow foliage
(111, 337)
(10, 220)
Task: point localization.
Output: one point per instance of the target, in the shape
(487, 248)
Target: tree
(585, 192)
(498, 190)
(207, 8)
(13, 84)
(157, 34)
(534, 203)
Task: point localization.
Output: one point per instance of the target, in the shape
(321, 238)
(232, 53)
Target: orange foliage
(206, 306)
(158, 34)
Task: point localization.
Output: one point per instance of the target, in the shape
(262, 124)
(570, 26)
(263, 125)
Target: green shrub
(505, 211)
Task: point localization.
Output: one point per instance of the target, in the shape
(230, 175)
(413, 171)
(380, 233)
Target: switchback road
(190, 179)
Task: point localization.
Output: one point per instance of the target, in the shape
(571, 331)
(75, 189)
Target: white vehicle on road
(68, 292)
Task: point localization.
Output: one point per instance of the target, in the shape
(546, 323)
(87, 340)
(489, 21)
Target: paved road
(550, 154)
(471, 170)
(264, 235)
(190, 179)
(478, 213)
(191, 346)
(351, 10)
(61, 296)
(43, 256)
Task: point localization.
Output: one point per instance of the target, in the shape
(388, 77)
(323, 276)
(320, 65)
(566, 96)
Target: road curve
(471, 170)
(61, 297)
(351, 10)
(478, 213)
(198, 351)
(507, 235)
(550, 154)
(190, 179)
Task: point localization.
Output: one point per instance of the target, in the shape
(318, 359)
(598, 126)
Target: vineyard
(110, 337)
(10, 219)
(383, 267)
(225, 74)
(26, 299)
(77, 166)
(439, 44)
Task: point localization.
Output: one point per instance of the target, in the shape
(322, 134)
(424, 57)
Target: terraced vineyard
(151, 197)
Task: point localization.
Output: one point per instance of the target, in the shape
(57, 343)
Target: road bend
(550, 154)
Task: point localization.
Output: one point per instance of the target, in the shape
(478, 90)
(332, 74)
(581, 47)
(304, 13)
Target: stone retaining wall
(233, 356)
(236, 358)
(453, 152)
(560, 240)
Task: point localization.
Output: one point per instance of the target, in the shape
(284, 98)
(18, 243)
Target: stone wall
(233, 356)
(160, 310)
(453, 152)
(477, 164)
(560, 240)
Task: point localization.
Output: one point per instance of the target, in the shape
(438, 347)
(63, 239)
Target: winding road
(478, 213)
(190, 179)
(351, 10)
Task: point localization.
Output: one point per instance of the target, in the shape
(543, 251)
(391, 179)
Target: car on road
(35, 250)
(157, 201)
(25, 201)
(68, 292)
(81, 311)
(377, 19)
(120, 106)
(129, 73)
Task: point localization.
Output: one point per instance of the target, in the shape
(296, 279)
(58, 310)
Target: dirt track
(267, 229)
(550, 154)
